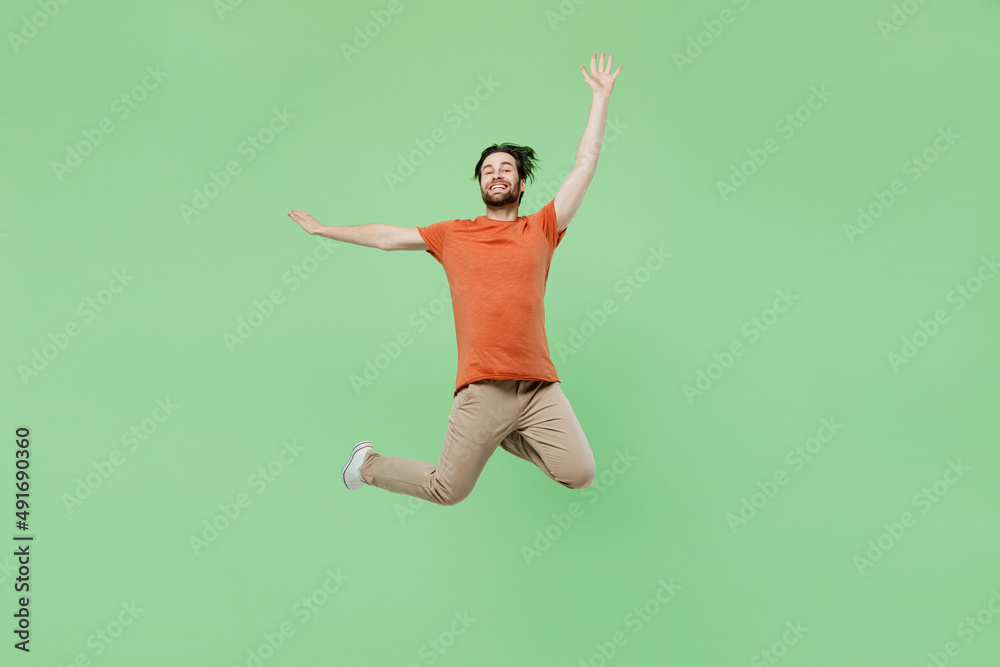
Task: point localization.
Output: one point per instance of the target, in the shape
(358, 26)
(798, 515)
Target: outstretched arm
(373, 235)
(570, 194)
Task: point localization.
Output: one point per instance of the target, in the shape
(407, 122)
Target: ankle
(361, 468)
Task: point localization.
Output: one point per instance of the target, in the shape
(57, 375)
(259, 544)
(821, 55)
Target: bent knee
(581, 478)
(449, 497)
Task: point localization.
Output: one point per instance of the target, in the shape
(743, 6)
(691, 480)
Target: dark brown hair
(524, 158)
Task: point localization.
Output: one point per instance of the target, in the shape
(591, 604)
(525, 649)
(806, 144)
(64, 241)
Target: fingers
(301, 217)
(600, 67)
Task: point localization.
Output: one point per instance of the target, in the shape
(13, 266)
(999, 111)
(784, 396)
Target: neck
(503, 213)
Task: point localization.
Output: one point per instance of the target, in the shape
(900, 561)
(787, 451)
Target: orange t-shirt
(497, 273)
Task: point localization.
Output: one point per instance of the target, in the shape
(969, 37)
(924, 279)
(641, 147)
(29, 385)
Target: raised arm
(570, 194)
(373, 235)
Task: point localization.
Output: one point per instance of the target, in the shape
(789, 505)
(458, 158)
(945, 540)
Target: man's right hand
(306, 221)
(372, 235)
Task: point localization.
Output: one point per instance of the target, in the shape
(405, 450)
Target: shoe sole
(343, 473)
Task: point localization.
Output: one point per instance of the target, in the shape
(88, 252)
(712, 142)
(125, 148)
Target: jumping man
(507, 392)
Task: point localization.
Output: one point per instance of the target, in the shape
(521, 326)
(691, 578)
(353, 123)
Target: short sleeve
(434, 236)
(550, 225)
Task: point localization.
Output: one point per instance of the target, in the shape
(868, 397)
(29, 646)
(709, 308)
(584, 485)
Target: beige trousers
(531, 419)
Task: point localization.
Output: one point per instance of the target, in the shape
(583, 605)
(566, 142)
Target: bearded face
(499, 184)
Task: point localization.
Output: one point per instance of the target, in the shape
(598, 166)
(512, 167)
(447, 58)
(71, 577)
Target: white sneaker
(352, 480)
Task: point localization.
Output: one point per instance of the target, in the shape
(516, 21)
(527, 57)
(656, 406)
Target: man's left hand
(600, 79)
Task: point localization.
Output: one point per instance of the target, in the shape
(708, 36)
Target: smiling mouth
(498, 187)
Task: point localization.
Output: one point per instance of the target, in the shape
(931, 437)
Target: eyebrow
(490, 166)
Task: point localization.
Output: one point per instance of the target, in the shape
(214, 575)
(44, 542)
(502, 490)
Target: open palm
(600, 79)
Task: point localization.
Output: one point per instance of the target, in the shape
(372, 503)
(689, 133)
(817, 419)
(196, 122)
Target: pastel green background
(411, 567)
